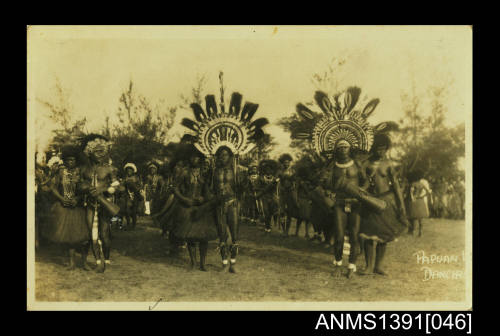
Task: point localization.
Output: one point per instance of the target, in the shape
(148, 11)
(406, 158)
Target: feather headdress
(233, 128)
(339, 120)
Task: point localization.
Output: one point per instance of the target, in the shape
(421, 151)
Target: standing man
(345, 130)
(226, 189)
(99, 182)
(346, 211)
(224, 135)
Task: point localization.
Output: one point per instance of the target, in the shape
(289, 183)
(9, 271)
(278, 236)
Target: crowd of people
(195, 200)
(199, 192)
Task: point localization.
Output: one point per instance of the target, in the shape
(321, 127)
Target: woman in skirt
(417, 202)
(66, 224)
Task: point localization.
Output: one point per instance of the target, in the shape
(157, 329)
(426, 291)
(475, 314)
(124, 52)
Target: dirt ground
(271, 268)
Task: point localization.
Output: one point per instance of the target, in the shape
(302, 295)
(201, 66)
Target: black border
(236, 322)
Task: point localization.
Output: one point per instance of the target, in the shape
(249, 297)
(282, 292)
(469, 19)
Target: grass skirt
(270, 205)
(196, 222)
(66, 225)
(382, 227)
(418, 209)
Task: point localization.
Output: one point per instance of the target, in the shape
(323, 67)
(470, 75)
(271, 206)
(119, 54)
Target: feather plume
(256, 135)
(259, 123)
(304, 111)
(370, 107)
(323, 102)
(235, 104)
(190, 124)
(386, 126)
(248, 111)
(199, 114)
(211, 105)
(354, 93)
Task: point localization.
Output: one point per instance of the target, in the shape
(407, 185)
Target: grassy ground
(271, 268)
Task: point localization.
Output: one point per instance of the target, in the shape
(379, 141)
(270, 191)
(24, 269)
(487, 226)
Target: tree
(57, 127)
(142, 130)
(426, 144)
(197, 92)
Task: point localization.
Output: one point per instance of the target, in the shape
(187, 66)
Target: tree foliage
(63, 128)
(142, 130)
(426, 144)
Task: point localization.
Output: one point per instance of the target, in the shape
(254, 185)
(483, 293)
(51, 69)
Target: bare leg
(370, 247)
(203, 254)
(232, 220)
(71, 259)
(85, 251)
(134, 219)
(354, 221)
(96, 247)
(105, 235)
(268, 224)
(340, 223)
(379, 258)
(412, 226)
(191, 246)
(308, 226)
(297, 228)
(420, 224)
(288, 223)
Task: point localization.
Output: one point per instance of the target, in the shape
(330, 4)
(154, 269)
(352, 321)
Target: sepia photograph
(249, 167)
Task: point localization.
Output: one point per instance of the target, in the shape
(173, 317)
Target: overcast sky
(267, 65)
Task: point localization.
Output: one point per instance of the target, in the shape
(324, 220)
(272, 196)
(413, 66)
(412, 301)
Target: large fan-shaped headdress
(234, 129)
(339, 121)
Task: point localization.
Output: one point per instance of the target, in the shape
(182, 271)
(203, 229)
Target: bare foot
(366, 271)
(100, 268)
(337, 271)
(86, 266)
(380, 272)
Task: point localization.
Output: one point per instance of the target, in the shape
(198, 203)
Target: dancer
(344, 130)
(99, 182)
(383, 225)
(224, 136)
(193, 215)
(66, 224)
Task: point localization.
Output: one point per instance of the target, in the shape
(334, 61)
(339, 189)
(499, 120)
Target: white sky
(270, 67)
